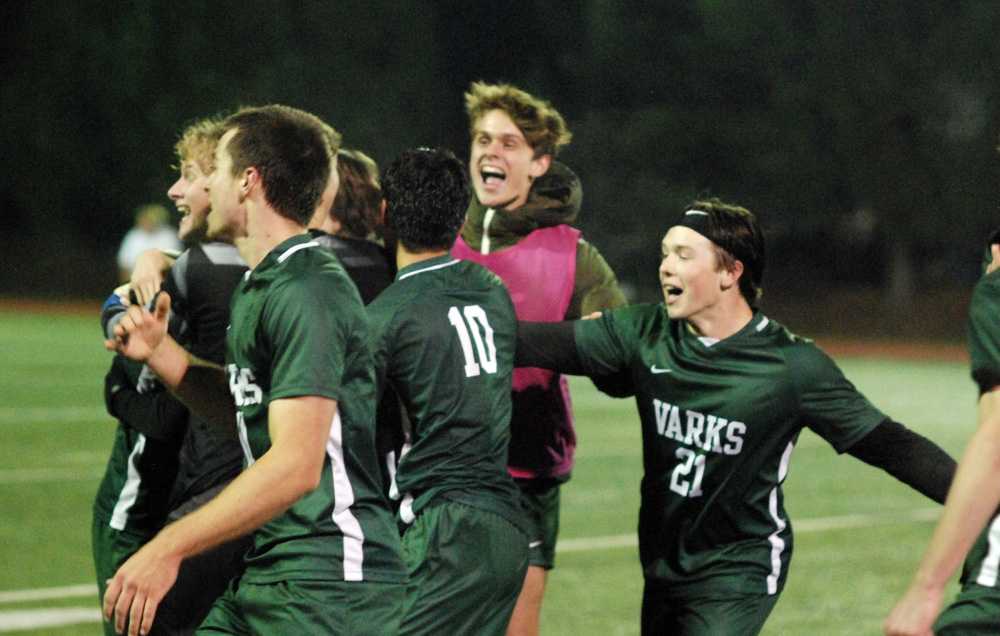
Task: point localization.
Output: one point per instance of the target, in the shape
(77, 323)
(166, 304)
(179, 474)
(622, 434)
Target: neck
(405, 257)
(722, 320)
(266, 229)
(324, 222)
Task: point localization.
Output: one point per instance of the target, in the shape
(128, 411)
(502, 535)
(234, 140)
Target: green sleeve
(829, 403)
(984, 332)
(596, 286)
(603, 344)
(307, 337)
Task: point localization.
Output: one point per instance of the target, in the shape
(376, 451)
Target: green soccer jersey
(719, 422)
(982, 566)
(444, 338)
(298, 328)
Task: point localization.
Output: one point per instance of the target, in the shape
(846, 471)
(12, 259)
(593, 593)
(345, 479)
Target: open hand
(140, 331)
(138, 587)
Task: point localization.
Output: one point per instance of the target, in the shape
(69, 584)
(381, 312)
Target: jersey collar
(758, 322)
(282, 252)
(438, 262)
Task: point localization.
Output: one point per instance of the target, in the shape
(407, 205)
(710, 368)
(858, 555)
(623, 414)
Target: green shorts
(111, 548)
(337, 608)
(976, 610)
(466, 567)
(663, 614)
(540, 498)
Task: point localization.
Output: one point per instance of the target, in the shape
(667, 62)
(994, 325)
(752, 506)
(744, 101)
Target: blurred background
(862, 134)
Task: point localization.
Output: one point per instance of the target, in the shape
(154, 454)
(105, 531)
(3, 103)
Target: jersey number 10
(472, 320)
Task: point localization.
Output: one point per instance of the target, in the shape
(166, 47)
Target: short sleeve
(830, 404)
(983, 336)
(308, 336)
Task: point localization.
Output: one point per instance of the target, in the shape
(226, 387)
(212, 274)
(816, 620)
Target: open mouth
(184, 210)
(492, 176)
(672, 291)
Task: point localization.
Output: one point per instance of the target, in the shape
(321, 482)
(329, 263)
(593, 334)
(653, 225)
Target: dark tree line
(862, 133)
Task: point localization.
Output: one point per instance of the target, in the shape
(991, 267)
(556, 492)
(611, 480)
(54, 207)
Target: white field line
(816, 524)
(38, 618)
(45, 593)
(54, 617)
(51, 414)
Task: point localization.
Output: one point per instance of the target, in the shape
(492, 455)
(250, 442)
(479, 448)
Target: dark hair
(291, 149)
(737, 237)
(426, 194)
(359, 197)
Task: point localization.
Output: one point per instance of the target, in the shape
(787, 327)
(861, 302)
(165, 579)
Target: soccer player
(133, 499)
(972, 501)
(723, 392)
(518, 226)
(345, 223)
(200, 284)
(299, 386)
(444, 336)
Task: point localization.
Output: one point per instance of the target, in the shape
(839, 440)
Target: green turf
(55, 443)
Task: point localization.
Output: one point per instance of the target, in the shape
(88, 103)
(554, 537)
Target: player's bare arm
(292, 467)
(150, 269)
(201, 385)
(966, 512)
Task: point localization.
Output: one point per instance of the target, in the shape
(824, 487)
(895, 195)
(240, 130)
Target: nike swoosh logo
(534, 544)
(656, 369)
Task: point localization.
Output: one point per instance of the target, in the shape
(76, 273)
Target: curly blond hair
(198, 141)
(543, 127)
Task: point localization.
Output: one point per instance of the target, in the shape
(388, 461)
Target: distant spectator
(151, 231)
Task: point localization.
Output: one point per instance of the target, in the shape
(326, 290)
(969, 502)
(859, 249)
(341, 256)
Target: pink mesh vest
(539, 272)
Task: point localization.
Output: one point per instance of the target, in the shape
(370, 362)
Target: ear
(249, 180)
(995, 258)
(730, 277)
(539, 166)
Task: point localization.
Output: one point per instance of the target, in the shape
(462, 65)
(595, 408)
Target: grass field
(859, 533)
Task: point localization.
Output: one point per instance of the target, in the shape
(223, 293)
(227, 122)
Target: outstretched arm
(299, 428)
(909, 457)
(973, 498)
(548, 345)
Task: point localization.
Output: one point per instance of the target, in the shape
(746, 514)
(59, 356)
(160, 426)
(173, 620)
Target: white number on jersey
(689, 459)
(241, 385)
(472, 320)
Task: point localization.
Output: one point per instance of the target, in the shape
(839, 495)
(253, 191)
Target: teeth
(492, 173)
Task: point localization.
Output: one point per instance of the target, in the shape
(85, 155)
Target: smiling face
(227, 218)
(690, 275)
(501, 163)
(190, 195)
